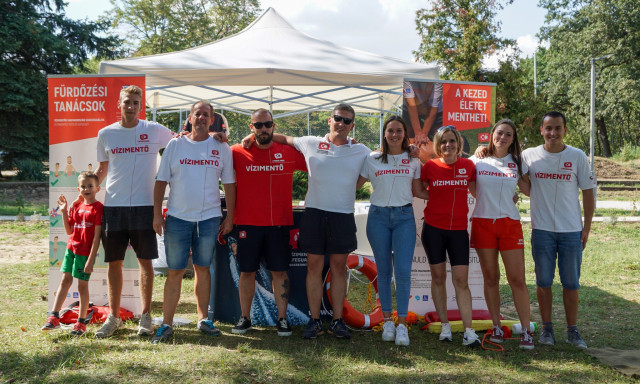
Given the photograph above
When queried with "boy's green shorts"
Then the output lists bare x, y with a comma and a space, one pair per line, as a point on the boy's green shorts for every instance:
74, 264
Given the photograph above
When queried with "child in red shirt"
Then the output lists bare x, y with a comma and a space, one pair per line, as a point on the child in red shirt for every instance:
83, 222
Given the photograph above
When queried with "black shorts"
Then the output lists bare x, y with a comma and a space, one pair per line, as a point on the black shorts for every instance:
124, 225
324, 232
258, 242
438, 242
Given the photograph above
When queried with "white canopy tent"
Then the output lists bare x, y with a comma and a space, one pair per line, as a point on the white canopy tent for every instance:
270, 63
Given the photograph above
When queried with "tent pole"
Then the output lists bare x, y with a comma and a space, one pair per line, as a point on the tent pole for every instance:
308, 125
380, 106
271, 99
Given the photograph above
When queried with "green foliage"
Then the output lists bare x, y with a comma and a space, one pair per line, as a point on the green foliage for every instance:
578, 31
458, 34
300, 185
36, 39
13, 209
20, 201
515, 98
160, 26
364, 193
628, 152
30, 170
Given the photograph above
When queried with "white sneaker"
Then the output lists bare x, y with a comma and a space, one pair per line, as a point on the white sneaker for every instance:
402, 335
445, 332
145, 328
470, 338
109, 327
388, 331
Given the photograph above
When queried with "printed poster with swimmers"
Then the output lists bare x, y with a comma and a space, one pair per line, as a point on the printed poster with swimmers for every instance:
79, 106
429, 105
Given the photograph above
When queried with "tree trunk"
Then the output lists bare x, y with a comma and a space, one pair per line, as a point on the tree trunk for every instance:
603, 138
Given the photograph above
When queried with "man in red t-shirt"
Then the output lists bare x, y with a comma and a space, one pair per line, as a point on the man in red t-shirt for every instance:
263, 215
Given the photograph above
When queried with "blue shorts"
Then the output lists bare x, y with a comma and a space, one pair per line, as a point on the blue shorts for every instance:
181, 236
566, 247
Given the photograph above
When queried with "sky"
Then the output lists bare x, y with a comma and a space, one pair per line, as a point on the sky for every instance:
384, 27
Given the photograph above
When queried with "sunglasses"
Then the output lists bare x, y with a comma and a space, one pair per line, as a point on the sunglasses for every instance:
447, 127
345, 120
266, 124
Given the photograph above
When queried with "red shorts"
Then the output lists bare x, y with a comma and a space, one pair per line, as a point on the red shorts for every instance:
503, 234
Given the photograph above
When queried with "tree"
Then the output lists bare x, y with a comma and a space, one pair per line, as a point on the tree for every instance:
458, 34
36, 39
577, 31
160, 26
515, 98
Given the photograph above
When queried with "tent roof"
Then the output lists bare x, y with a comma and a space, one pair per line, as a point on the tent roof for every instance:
271, 62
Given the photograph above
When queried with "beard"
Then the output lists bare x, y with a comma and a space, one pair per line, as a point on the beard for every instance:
264, 139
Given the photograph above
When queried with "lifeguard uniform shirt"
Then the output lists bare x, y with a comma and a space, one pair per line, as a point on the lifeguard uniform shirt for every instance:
333, 172
448, 184
555, 182
264, 184
192, 169
496, 181
132, 155
83, 218
392, 181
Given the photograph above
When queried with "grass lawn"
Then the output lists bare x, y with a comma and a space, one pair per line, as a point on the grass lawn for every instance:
609, 311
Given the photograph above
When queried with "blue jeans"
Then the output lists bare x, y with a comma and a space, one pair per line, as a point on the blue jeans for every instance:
566, 247
181, 236
392, 229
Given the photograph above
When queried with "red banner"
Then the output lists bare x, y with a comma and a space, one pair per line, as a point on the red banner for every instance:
466, 106
79, 106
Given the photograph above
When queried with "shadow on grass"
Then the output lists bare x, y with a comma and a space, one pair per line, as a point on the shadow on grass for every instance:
262, 356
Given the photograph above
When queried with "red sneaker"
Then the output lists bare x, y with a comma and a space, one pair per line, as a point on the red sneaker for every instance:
526, 340
497, 335
79, 329
52, 323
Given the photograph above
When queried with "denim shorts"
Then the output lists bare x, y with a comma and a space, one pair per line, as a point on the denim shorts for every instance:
566, 247
182, 236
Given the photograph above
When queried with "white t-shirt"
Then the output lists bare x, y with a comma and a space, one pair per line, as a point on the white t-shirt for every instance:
132, 155
496, 181
192, 169
392, 181
555, 182
333, 172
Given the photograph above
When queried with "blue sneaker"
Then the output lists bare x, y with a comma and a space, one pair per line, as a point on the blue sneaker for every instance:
313, 329
573, 337
206, 326
547, 337
339, 329
162, 334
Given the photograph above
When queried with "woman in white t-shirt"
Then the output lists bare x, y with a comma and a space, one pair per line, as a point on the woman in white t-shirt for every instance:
496, 225
391, 227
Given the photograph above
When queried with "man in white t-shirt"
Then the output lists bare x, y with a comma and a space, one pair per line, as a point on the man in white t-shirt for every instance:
192, 166
557, 172
127, 153
328, 225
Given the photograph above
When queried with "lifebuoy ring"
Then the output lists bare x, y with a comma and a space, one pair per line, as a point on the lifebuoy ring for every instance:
350, 315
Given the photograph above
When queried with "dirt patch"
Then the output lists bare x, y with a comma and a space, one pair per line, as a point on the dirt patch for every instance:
609, 169
18, 247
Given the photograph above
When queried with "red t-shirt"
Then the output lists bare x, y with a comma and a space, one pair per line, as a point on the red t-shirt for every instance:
447, 207
264, 184
83, 219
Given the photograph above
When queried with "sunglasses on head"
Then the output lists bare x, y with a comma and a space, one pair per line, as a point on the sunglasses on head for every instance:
447, 127
266, 124
345, 120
